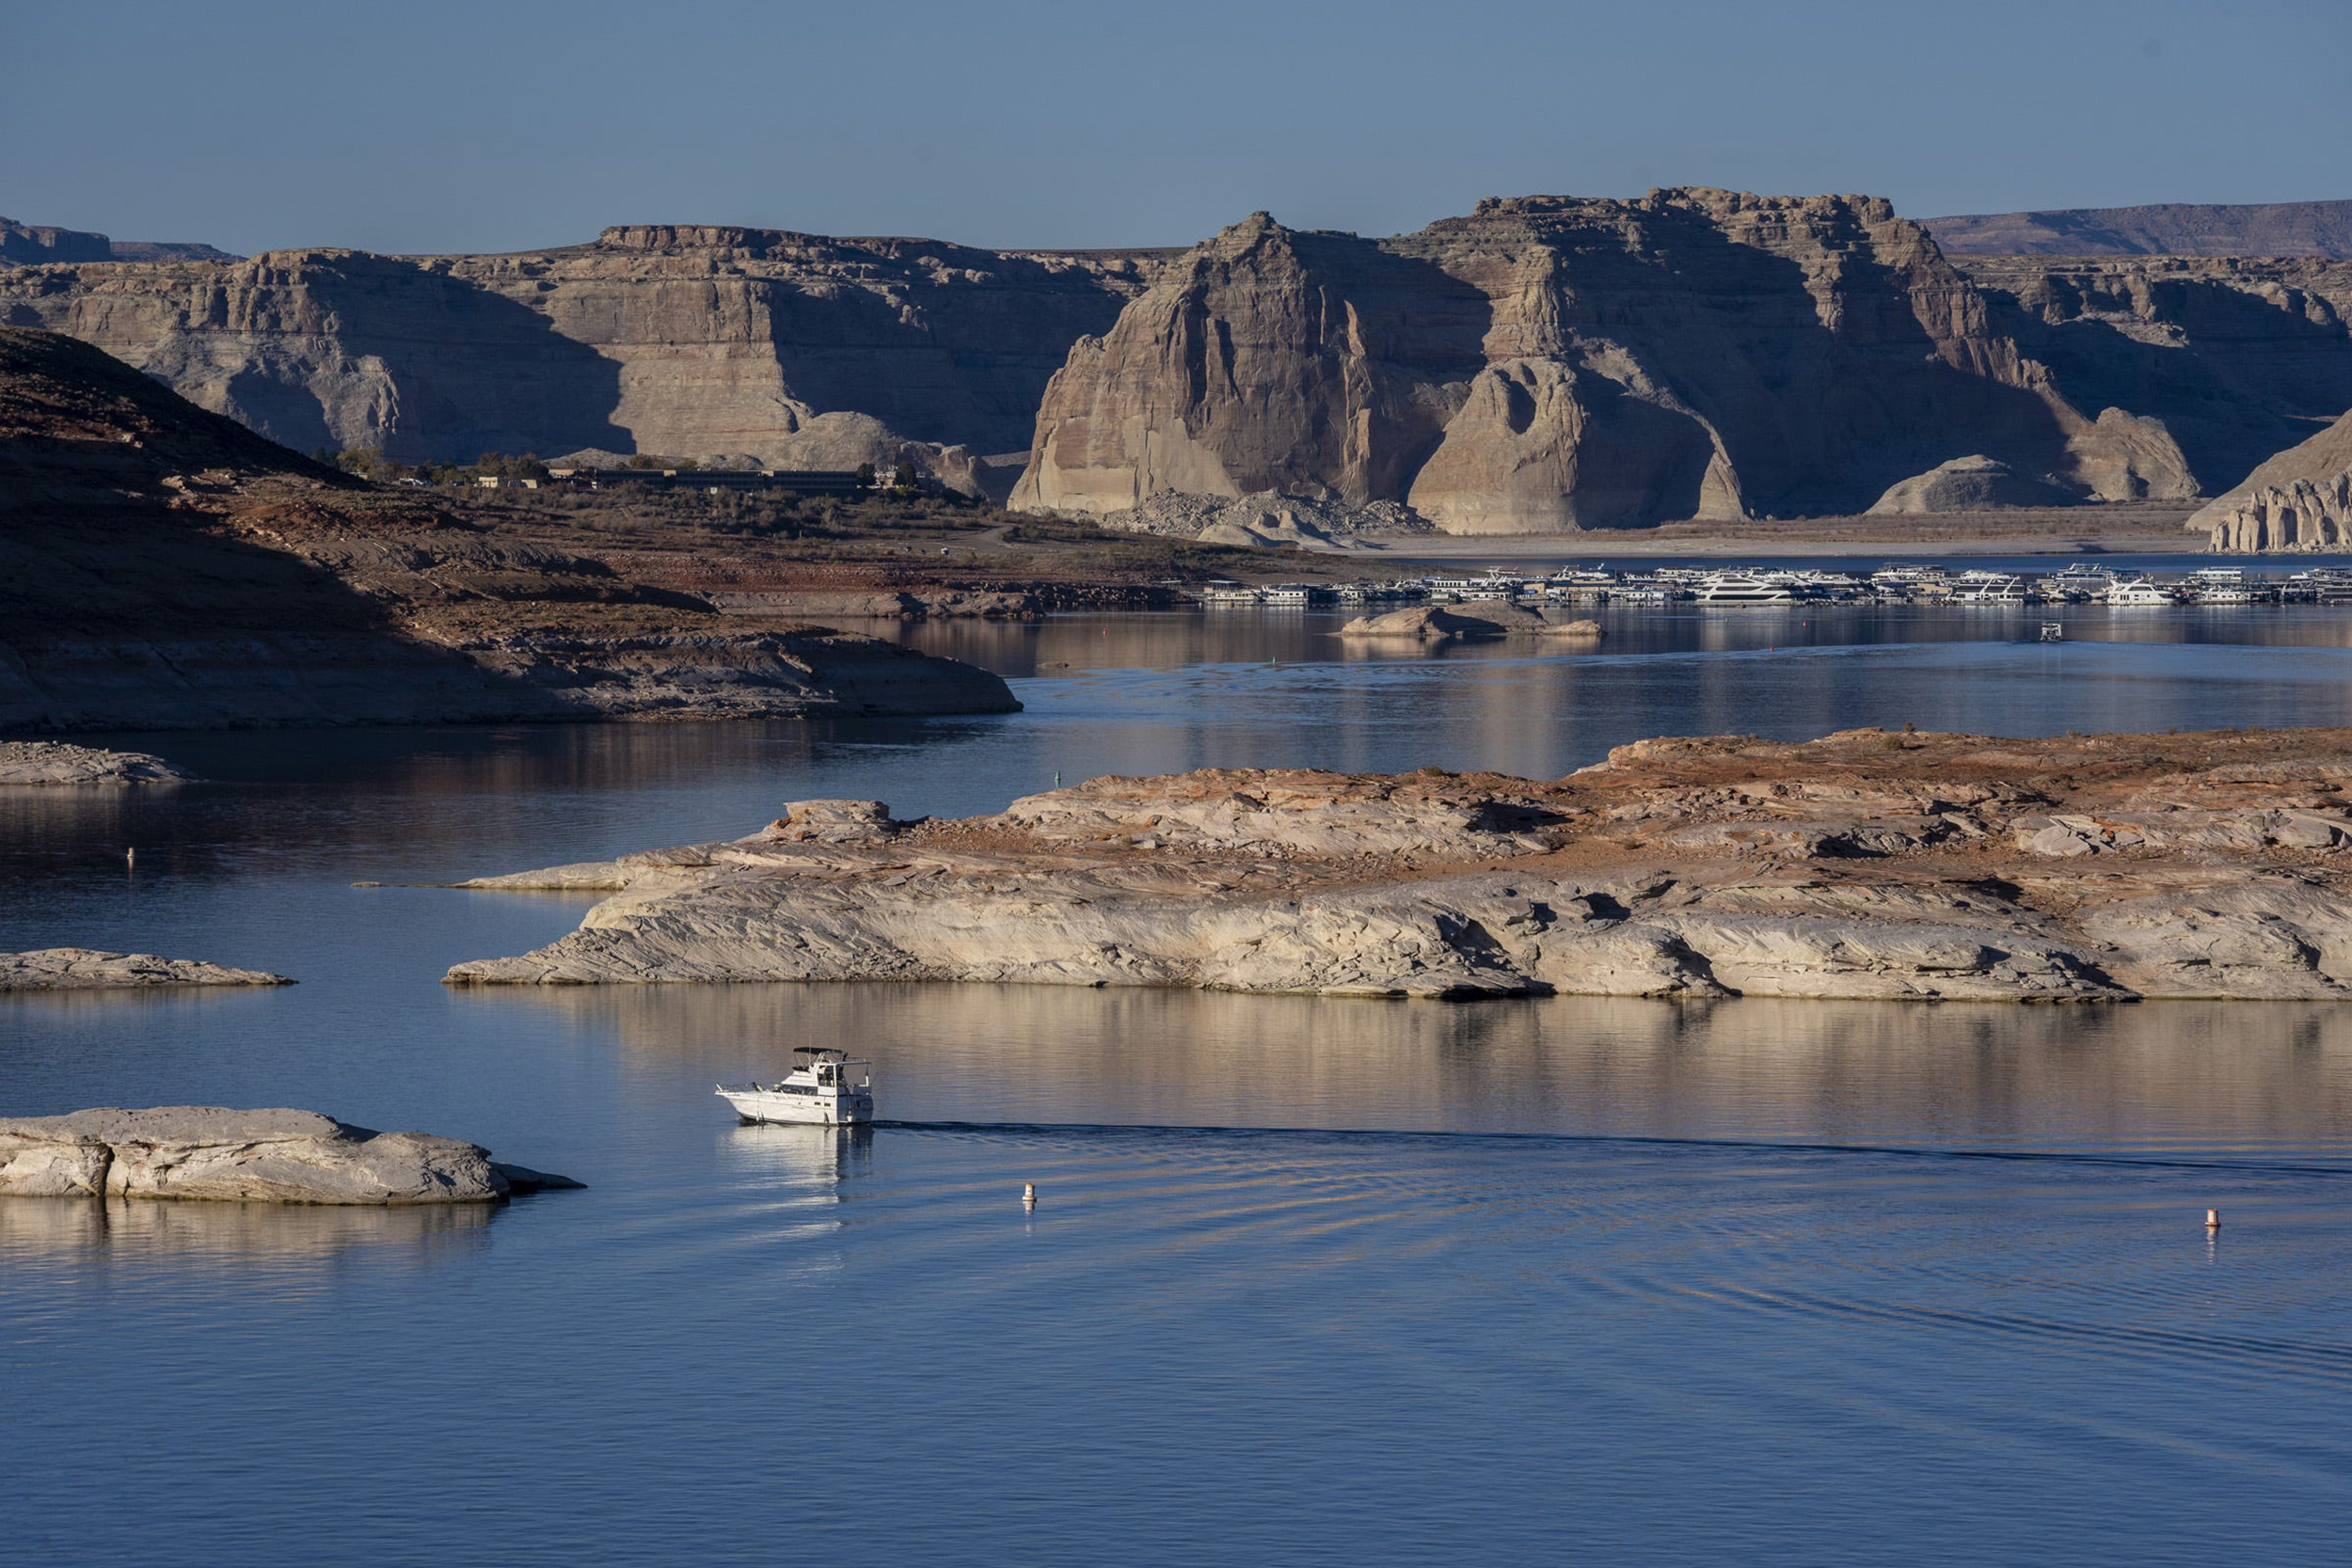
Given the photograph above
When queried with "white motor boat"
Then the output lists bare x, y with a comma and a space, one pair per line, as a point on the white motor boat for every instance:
817, 1093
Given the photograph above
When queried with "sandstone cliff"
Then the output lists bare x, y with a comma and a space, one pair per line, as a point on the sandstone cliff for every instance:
1552, 363
2300, 500
2167, 228
684, 340
163, 567
1864, 865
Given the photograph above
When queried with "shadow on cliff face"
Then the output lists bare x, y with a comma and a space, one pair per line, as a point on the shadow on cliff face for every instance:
134, 617
423, 366
2253, 377
959, 353
1813, 416
1422, 334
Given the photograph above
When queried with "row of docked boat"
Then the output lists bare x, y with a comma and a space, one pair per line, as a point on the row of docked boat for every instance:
2084, 584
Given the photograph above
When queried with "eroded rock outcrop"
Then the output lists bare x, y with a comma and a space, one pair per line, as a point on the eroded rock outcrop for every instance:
1551, 363
93, 969
1865, 864
271, 1156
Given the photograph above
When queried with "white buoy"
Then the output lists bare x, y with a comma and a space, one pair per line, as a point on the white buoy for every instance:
2212, 1219
1028, 1194
130, 856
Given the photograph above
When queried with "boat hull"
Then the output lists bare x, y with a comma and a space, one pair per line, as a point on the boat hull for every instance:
808, 1110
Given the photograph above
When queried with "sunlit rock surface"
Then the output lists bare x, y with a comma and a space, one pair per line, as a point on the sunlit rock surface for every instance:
1865, 864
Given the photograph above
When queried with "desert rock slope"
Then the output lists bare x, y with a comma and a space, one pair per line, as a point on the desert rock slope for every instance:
1863, 865
165, 567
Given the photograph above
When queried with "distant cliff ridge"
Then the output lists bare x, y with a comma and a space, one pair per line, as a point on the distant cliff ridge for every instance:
24, 244
29, 244
2322, 228
686, 341
1542, 363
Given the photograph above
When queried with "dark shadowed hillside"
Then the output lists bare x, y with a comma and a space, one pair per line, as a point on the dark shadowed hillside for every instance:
164, 567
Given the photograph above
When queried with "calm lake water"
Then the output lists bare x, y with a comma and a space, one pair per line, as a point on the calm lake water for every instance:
1311, 1280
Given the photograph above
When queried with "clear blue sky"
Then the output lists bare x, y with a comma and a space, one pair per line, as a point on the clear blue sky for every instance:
426, 125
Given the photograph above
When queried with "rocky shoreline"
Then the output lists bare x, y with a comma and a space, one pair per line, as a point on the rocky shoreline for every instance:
1866, 864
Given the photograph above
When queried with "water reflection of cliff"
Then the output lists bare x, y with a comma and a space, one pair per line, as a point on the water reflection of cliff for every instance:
232, 1235
2144, 1075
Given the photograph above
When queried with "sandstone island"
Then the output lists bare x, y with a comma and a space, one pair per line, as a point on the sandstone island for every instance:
218, 1154
1865, 864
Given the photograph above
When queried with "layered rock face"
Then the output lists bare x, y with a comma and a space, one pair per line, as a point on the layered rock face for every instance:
273, 1156
674, 340
2300, 500
1544, 363
2167, 228
1864, 865
1552, 363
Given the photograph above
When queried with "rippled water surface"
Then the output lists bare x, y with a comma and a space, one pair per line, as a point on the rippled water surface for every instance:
1311, 1280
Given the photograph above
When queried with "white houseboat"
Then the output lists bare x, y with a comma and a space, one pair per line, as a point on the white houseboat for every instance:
2135, 592
1993, 587
1746, 588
